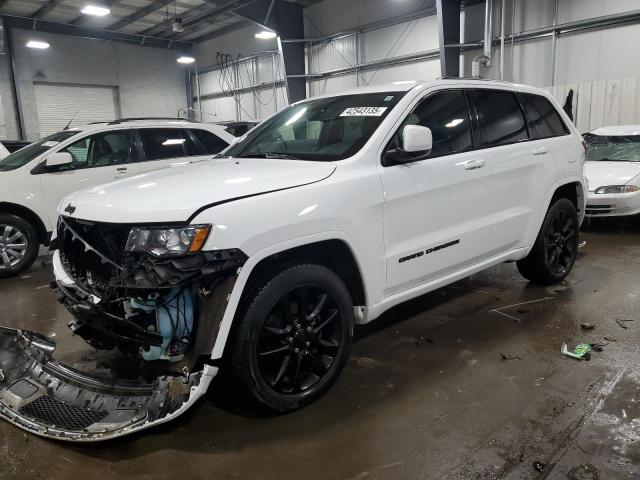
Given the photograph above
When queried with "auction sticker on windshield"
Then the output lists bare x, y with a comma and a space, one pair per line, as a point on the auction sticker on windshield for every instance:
363, 112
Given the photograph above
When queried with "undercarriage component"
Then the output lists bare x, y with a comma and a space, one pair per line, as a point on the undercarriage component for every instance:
174, 323
45, 397
131, 300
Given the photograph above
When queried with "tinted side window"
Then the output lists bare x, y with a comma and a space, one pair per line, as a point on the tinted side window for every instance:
500, 117
210, 141
445, 113
161, 143
99, 150
543, 116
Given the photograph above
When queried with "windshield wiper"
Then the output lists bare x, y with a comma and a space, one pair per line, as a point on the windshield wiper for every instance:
279, 156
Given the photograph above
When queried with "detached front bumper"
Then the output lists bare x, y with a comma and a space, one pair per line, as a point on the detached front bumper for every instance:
50, 399
612, 205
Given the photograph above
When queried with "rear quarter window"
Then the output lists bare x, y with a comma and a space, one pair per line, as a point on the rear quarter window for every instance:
544, 120
210, 141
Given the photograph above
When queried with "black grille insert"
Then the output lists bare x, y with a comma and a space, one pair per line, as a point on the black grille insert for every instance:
53, 412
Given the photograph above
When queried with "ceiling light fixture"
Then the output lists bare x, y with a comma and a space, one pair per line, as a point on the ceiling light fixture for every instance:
95, 10
266, 35
37, 44
186, 60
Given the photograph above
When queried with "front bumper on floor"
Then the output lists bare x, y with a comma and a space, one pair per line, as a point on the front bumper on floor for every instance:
612, 205
50, 399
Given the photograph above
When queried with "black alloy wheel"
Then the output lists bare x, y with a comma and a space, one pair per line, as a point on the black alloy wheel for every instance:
293, 336
556, 248
299, 340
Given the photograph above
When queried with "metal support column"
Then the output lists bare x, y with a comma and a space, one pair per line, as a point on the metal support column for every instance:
449, 30
8, 42
286, 19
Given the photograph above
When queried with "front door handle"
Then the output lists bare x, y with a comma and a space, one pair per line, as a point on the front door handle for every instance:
473, 164
121, 171
540, 151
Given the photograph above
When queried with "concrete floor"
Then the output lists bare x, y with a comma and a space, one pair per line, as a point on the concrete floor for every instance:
425, 395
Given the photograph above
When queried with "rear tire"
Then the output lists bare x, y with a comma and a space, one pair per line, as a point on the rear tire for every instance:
19, 245
556, 247
294, 337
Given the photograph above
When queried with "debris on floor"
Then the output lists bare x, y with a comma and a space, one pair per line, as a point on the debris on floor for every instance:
506, 356
623, 322
580, 352
539, 466
610, 339
598, 347
583, 472
588, 326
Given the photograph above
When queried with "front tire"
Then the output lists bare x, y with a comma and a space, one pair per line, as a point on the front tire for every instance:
556, 248
294, 337
19, 245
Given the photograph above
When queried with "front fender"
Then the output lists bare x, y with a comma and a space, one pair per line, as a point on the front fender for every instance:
250, 265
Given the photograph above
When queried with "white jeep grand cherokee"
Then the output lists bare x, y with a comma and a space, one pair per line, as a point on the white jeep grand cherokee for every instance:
35, 178
262, 260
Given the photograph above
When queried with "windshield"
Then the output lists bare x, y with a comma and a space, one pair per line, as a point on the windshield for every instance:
326, 129
615, 148
23, 156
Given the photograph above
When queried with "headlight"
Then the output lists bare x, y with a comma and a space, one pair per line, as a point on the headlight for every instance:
164, 242
618, 189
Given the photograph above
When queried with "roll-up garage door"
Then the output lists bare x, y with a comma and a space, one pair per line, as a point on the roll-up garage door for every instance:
57, 104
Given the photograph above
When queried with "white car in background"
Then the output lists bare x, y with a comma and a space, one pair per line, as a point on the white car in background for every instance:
613, 171
35, 178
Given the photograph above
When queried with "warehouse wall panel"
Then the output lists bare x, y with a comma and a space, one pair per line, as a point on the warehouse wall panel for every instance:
149, 81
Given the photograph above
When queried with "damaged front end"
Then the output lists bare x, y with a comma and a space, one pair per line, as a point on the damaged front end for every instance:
162, 311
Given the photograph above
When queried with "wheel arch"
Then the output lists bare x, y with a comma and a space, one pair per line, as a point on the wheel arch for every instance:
30, 216
333, 251
572, 191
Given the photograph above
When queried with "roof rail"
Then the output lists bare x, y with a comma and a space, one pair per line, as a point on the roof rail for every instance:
473, 78
124, 120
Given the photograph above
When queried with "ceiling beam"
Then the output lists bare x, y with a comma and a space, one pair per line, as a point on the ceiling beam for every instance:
46, 8
206, 17
138, 14
89, 32
221, 31
165, 25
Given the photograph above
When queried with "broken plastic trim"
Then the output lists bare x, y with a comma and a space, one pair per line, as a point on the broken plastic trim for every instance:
50, 399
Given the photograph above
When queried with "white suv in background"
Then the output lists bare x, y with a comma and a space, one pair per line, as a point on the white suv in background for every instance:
262, 261
35, 178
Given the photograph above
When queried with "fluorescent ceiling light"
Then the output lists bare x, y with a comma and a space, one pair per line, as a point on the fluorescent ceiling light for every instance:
266, 35
185, 59
37, 44
95, 10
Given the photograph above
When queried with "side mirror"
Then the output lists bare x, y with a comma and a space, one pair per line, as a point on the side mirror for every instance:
416, 138
57, 159
417, 142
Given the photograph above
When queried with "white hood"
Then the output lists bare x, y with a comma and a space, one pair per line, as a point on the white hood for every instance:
175, 194
601, 173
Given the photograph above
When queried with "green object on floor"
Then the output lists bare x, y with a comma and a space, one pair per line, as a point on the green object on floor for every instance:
578, 352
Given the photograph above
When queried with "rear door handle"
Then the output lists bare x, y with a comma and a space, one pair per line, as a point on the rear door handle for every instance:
121, 171
473, 164
540, 151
